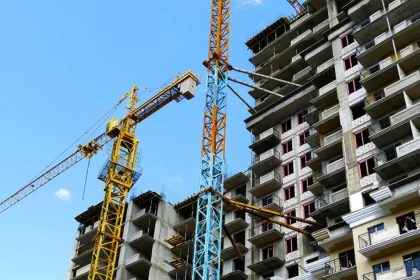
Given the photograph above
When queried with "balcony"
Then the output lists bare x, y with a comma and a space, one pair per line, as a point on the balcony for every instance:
315, 163
139, 265
266, 184
395, 127
327, 96
334, 238
266, 265
390, 240
230, 252
392, 96
400, 273
324, 74
318, 55
234, 275
365, 8
266, 162
141, 241
381, 47
186, 227
184, 250
377, 23
331, 205
341, 268
82, 273
88, 233
398, 160
386, 72
265, 140
265, 234
144, 217
183, 270
316, 188
83, 254
271, 202
236, 224
235, 180
332, 146
238, 198
329, 120
333, 173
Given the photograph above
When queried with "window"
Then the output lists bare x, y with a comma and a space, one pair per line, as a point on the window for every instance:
379, 95
308, 209
354, 85
288, 168
291, 244
241, 190
292, 214
286, 126
266, 226
267, 200
239, 237
375, 228
347, 40
347, 259
287, 147
412, 263
267, 252
289, 192
382, 267
305, 183
303, 136
292, 271
238, 264
304, 159
301, 116
358, 110
407, 222
362, 137
366, 167
350, 62
240, 215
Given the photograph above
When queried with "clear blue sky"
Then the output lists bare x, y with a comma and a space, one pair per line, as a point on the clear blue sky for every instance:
63, 65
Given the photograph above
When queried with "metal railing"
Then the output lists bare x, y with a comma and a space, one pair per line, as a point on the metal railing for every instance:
266, 134
385, 156
266, 155
412, 19
339, 264
261, 229
272, 199
273, 175
325, 200
370, 238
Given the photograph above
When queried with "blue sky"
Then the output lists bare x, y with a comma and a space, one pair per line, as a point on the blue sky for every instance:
63, 65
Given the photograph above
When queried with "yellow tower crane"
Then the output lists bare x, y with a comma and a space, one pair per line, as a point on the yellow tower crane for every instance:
119, 173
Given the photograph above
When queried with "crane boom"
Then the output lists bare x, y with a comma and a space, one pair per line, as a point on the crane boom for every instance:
165, 96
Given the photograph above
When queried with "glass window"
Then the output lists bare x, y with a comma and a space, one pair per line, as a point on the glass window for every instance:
358, 110
289, 192
267, 226
305, 158
286, 126
354, 85
292, 271
347, 40
362, 137
366, 167
306, 183
292, 214
291, 244
347, 259
412, 263
287, 147
382, 267
267, 252
308, 209
407, 222
288, 168
303, 136
350, 62
267, 200
301, 116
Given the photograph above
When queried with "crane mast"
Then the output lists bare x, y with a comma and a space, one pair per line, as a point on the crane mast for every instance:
208, 228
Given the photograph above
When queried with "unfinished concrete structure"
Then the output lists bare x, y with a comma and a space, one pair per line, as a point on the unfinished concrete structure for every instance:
342, 149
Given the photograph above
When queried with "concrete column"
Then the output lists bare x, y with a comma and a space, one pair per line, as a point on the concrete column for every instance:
414, 130
332, 12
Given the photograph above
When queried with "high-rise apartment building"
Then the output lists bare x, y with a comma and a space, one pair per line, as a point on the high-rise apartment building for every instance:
342, 149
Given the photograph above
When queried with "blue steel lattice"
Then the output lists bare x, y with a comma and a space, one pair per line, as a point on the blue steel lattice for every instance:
208, 231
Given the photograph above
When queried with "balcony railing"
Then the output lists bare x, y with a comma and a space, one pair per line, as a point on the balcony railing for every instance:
396, 273
272, 199
333, 166
263, 228
332, 137
266, 155
368, 239
331, 198
273, 175
340, 264
266, 134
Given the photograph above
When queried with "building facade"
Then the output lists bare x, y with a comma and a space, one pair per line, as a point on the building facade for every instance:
341, 149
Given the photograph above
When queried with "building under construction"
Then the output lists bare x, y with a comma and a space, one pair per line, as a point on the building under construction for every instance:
341, 149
